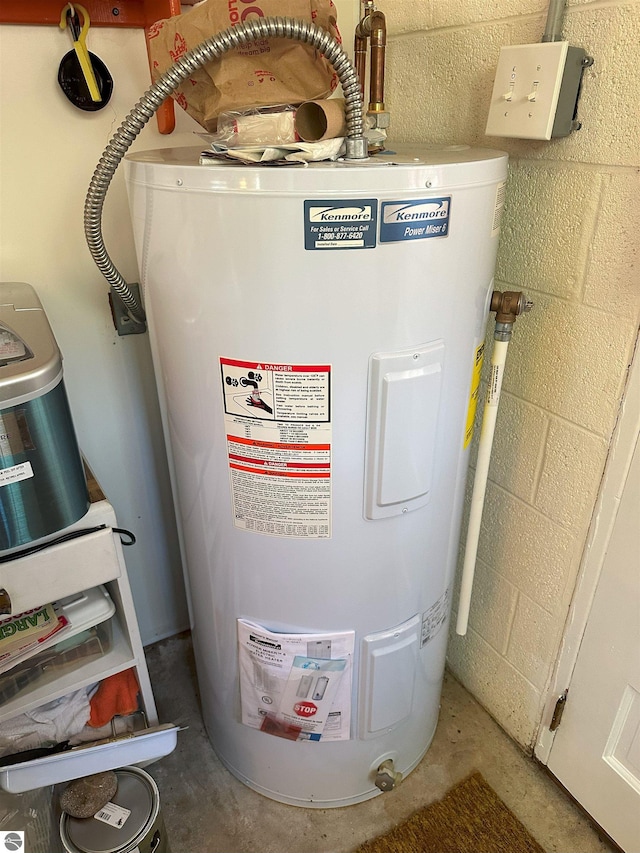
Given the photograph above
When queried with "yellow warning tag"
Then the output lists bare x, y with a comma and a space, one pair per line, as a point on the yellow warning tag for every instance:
473, 397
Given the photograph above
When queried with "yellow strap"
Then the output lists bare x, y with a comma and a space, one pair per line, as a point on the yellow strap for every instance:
80, 48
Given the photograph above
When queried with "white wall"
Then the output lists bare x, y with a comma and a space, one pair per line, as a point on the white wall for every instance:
48, 151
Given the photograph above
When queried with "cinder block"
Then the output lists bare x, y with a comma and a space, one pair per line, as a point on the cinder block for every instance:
436, 96
570, 241
492, 606
533, 642
570, 477
404, 16
512, 700
613, 264
439, 83
548, 220
571, 360
449, 13
518, 444
610, 91
611, 86
519, 439
532, 552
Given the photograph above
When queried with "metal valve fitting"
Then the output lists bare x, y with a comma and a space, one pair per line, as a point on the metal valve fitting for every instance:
387, 777
507, 307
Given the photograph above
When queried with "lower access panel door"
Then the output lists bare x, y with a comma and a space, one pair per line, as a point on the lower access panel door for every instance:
402, 417
388, 667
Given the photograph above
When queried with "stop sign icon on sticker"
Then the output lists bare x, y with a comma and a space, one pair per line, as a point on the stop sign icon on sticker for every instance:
305, 709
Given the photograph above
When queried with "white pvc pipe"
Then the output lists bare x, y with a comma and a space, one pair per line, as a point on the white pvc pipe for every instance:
498, 359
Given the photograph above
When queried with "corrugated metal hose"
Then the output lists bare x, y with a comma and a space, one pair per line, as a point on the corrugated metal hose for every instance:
208, 50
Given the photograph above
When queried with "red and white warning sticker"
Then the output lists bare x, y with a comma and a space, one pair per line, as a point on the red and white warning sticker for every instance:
278, 426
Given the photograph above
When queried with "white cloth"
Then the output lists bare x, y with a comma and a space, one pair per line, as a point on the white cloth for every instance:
46, 725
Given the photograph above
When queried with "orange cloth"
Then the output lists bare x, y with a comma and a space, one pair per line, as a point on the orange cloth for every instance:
117, 694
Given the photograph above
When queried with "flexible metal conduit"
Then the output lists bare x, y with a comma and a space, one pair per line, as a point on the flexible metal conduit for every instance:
208, 50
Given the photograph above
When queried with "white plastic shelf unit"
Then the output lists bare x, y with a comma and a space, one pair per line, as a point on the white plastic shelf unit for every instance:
59, 570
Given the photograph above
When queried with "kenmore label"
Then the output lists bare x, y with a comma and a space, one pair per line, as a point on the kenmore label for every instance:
340, 224
414, 220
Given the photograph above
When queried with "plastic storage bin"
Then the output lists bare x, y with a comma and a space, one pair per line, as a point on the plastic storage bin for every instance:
88, 635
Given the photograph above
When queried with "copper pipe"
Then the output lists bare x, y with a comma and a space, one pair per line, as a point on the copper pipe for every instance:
373, 27
360, 55
378, 29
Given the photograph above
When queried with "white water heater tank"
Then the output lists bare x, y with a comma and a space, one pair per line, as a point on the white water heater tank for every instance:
316, 334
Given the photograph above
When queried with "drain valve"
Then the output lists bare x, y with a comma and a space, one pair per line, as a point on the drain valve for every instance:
386, 777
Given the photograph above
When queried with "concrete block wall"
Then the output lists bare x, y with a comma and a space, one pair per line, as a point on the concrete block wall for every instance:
570, 240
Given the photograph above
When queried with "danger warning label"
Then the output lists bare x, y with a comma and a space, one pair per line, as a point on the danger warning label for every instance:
278, 425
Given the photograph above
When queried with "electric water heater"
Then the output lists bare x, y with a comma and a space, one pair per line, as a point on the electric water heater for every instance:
317, 334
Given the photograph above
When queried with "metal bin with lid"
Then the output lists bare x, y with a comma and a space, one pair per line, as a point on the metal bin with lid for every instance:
42, 482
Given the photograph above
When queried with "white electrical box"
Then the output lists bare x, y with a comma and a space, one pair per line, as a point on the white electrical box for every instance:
536, 90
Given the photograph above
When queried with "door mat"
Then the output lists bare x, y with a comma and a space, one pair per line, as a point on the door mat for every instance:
470, 819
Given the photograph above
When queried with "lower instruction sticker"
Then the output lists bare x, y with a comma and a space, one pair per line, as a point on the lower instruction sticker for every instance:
296, 686
501, 192
434, 618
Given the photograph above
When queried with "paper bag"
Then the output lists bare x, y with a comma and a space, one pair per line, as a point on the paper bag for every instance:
260, 73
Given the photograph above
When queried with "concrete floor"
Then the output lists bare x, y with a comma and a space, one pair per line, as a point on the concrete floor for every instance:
206, 810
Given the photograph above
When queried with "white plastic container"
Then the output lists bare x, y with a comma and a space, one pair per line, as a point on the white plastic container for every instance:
314, 333
87, 635
93, 757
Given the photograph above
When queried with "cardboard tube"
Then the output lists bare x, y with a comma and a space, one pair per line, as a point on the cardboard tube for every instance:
318, 120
